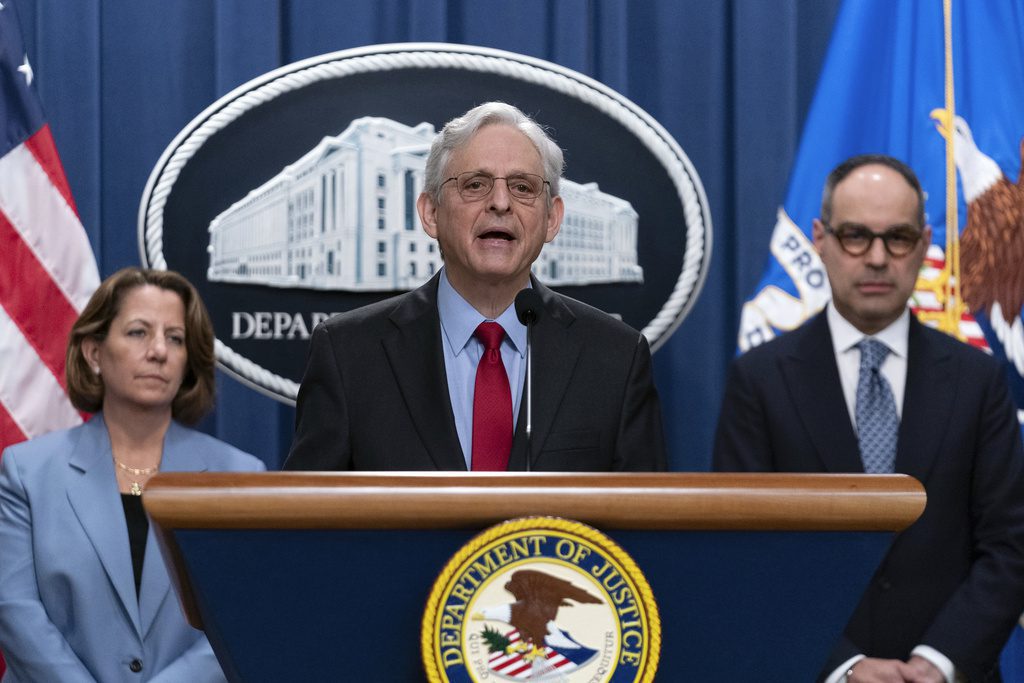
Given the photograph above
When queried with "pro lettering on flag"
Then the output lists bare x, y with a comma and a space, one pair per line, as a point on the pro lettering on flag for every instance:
47, 269
883, 89
938, 85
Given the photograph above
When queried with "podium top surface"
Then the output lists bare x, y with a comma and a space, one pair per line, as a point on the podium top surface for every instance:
415, 500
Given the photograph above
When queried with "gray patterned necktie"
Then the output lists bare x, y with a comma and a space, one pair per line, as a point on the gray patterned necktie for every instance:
877, 423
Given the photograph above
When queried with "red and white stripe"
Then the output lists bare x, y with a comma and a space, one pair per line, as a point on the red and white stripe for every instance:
47, 274
514, 666
925, 300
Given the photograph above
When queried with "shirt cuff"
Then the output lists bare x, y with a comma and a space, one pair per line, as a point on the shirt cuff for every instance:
941, 661
839, 674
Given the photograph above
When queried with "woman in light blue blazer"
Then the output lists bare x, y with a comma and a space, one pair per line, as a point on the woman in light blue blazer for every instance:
84, 593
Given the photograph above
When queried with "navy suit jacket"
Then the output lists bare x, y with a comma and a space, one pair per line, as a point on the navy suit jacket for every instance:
68, 606
953, 580
375, 395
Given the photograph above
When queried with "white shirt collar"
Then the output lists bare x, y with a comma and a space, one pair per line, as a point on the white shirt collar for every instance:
845, 336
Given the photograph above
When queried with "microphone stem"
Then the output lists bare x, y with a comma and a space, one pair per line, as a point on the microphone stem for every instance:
529, 392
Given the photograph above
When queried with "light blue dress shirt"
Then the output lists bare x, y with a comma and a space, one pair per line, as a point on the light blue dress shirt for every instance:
462, 352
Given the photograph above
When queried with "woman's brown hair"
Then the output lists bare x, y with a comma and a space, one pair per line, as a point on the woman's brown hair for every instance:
195, 396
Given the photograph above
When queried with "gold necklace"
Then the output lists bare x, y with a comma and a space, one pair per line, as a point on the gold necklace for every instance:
135, 489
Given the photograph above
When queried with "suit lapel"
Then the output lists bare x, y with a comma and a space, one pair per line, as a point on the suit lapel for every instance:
424, 384
928, 402
555, 353
156, 584
812, 378
95, 500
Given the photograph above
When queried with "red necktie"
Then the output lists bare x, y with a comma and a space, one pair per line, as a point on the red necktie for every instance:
492, 404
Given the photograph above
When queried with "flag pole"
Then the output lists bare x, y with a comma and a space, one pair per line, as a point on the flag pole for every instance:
954, 305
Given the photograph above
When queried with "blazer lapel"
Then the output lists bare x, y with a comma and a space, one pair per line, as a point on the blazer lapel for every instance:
928, 401
417, 361
555, 353
812, 378
94, 498
156, 583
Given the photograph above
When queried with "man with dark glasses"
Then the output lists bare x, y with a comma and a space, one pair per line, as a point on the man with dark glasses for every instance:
865, 387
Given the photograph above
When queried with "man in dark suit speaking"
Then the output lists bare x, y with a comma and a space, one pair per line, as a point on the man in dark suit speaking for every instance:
434, 379
865, 387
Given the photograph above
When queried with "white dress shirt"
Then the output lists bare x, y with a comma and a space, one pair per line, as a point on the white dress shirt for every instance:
845, 338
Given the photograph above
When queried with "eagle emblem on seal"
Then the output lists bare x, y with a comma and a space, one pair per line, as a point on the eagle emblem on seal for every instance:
536, 645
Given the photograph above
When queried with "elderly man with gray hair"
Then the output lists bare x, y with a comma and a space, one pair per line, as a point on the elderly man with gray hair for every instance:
434, 379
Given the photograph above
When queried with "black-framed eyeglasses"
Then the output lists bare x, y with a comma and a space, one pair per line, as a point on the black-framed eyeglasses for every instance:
475, 185
856, 240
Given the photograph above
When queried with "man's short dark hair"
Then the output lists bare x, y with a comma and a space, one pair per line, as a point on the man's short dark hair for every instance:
840, 172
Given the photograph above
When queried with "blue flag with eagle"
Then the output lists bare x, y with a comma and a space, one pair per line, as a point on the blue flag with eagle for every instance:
941, 86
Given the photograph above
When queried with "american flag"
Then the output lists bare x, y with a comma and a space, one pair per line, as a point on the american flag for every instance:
47, 268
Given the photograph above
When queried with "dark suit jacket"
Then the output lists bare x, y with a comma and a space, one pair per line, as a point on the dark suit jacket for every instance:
954, 580
375, 395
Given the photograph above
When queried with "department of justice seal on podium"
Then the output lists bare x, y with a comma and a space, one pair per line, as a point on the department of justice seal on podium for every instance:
541, 599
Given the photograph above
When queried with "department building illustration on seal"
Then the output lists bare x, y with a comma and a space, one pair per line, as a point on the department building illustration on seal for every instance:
343, 217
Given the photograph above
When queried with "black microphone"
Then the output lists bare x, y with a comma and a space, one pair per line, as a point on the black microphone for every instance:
528, 308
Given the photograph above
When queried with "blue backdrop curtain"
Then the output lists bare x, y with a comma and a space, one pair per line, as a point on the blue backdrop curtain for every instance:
730, 80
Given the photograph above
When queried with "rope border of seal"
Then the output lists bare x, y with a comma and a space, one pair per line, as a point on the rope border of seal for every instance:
338, 65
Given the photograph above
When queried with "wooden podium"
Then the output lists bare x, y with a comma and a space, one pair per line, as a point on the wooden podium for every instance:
324, 576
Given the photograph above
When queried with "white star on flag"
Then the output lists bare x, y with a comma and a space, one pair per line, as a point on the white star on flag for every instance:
26, 69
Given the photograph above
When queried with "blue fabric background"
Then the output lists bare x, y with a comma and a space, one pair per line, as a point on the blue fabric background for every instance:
731, 81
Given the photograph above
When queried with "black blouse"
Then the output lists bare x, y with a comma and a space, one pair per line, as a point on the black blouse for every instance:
138, 527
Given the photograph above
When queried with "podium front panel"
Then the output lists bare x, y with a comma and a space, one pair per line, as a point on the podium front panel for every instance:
326, 576
346, 604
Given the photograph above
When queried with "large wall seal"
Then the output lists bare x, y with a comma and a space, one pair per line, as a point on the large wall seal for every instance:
292, 197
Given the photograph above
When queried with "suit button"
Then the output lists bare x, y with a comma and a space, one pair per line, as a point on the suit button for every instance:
884, 584
135, 666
